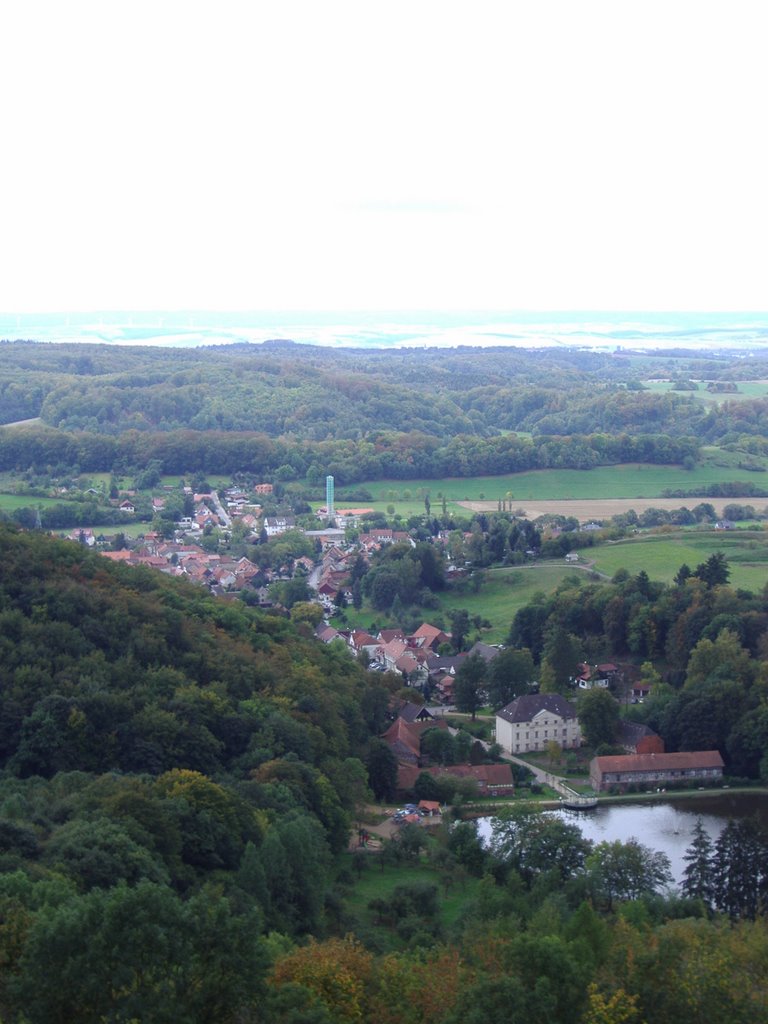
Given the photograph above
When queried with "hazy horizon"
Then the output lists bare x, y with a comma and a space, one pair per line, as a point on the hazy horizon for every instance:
593, 329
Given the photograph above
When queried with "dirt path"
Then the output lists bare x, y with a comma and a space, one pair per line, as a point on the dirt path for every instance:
586, 509
585, 566
24, 423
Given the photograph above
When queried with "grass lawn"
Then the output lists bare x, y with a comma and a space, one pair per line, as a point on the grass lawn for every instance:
9, 502
129, 529
504, 592
375, 883
661, 555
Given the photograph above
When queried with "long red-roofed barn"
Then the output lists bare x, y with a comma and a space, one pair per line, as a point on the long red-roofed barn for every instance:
623, 770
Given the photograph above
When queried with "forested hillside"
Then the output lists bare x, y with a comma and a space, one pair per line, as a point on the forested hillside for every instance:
154, 742
179, 779
315, 393
295, 412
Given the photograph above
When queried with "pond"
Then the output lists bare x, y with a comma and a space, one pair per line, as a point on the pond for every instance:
665, 825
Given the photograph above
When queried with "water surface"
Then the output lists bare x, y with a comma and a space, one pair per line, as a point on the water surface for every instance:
666, 825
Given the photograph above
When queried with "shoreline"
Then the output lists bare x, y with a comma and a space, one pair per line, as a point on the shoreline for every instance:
548, 804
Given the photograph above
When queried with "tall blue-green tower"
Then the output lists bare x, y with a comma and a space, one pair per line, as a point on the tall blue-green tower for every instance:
329, 496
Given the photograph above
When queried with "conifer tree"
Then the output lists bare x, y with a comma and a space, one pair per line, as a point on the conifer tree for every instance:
698, 876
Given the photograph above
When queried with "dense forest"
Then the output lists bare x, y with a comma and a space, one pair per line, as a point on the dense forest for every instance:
172, 766
180, 775
295, 412
382, 455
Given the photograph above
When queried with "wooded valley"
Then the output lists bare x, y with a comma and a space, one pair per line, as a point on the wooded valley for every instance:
186, 779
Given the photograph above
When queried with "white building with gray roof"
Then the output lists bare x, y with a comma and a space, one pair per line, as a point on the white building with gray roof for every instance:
532, 721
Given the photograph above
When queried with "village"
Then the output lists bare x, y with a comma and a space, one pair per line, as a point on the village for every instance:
425, 659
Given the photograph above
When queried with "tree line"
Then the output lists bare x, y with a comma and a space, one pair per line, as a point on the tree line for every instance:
383, 455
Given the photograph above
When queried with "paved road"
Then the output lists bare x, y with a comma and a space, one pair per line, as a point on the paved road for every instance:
220, 511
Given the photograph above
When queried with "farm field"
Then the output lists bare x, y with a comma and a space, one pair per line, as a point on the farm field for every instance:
662, 555
632, 480
587, 509
9, 502
747, 389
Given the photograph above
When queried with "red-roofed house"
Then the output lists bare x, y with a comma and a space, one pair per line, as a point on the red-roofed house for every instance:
429, 637
361, 641
492, 779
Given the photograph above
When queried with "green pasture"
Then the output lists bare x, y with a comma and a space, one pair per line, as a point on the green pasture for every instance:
109, 529
10, 502
505, 591
661, 555
502, 594
747, 389
632, 480
216, 481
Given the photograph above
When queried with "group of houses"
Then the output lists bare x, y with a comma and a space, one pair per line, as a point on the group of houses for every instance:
187, 559
404, 740
424, 658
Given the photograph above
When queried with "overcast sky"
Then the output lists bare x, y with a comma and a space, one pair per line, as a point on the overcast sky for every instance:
588, 154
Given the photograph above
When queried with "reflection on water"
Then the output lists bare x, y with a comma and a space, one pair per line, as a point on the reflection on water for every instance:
665, 826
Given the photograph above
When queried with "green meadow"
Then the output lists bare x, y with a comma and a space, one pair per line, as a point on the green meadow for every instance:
10, 502
505, 591
502, 594
631, 480
746, 389
377, 883
661, 555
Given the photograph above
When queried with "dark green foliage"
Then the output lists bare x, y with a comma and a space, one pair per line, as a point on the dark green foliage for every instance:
122, 695
714, 572
467, 848
502, 1001
510, 675
382, 770
469, 687
99, 854
459, 619
105, 668
140, 954
739, 867
625, 871
698, 877
599, 717
535, 843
